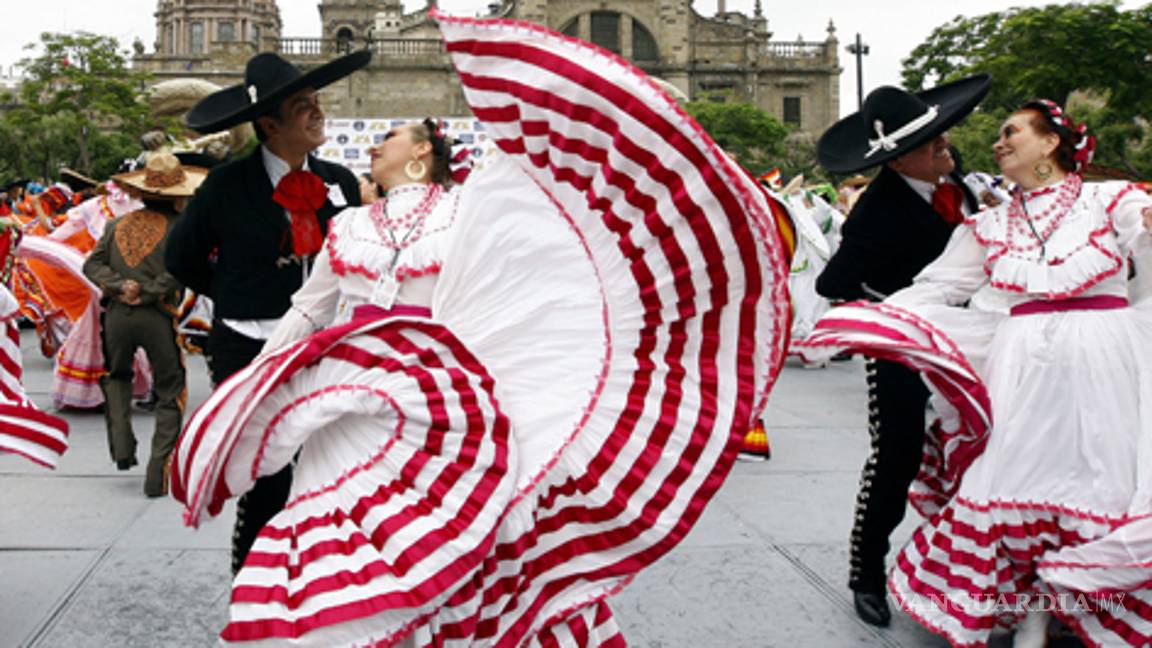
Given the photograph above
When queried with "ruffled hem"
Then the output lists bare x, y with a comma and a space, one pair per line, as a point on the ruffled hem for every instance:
24, 430
892, 333
390, 536
80, 365
1118, 562
970, 569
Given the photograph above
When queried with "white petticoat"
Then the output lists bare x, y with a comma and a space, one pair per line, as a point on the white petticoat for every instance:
1068, 461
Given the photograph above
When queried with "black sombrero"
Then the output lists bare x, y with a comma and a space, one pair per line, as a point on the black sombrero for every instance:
197, 159
77, 181
893, 122
13, 184
268, 80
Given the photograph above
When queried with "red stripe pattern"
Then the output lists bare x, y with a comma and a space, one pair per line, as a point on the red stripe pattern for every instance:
24, 430
891, 333
438, 535
972, 570
973, 567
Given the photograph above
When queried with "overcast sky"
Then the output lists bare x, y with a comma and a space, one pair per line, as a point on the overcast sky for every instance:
890, 28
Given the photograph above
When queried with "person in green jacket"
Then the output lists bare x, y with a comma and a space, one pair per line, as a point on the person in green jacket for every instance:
141, 299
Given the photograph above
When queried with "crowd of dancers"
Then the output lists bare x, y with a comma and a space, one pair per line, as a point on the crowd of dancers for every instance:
466, 409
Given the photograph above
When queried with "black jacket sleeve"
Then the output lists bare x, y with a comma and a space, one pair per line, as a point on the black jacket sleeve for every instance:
193, 240
845, 275
887, 239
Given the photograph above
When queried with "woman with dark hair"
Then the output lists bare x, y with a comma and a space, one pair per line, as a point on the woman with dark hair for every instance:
388, 252
1064, 459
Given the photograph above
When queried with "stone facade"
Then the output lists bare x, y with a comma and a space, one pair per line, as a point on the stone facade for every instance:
210, 39
726, 57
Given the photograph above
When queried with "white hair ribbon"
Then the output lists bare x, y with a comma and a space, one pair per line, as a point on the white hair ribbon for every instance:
889, 142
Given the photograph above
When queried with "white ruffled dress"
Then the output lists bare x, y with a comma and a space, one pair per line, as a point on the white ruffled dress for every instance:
817, 237
1067, 465
562, 369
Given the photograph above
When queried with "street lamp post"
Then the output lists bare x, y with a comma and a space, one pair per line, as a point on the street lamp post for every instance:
859, 49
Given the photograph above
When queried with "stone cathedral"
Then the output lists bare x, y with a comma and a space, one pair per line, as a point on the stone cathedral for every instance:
726, 57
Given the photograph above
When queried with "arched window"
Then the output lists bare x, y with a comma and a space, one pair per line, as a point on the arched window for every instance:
615, 32
344, 40
606, 30
643, 43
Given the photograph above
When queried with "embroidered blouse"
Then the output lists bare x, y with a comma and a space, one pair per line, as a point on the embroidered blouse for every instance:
1067, 240
387, 253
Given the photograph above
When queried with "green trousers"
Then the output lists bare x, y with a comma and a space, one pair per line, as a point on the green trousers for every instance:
127, 328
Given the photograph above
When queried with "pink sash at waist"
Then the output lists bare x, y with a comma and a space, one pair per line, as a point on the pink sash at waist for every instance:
398, 310
1095, 302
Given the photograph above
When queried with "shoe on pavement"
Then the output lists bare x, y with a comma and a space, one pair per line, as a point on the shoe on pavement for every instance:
872, 608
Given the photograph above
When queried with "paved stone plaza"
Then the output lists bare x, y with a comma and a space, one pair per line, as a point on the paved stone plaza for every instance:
87, 561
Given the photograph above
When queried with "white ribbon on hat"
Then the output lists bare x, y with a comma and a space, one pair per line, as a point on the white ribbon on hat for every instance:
890, 141
252, 93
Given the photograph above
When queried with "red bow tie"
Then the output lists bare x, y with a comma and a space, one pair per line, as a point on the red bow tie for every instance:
947, 201
302, 193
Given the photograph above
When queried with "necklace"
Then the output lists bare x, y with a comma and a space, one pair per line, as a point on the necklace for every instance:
412, 221
1023, 235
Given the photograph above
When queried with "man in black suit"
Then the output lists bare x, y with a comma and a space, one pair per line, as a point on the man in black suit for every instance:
247, 238
900, 224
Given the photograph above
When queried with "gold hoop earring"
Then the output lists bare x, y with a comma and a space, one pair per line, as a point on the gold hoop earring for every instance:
1042, 170
415, 170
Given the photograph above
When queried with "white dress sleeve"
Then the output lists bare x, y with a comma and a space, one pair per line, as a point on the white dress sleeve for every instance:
1126, 204
953, 277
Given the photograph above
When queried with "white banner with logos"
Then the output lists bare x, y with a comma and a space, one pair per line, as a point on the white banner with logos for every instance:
349, 139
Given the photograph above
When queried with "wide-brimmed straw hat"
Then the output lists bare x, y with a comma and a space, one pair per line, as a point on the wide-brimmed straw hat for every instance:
163, 177
893, 122
175, 97
268, 80
856, 181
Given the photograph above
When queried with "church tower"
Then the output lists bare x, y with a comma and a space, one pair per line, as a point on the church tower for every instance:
353, 21
196, 28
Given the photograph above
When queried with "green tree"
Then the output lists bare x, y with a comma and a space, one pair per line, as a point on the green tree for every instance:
1056, 52
755, 138
974, 138
78, 106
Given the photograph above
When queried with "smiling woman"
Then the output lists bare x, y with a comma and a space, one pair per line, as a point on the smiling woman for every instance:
1053, 476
